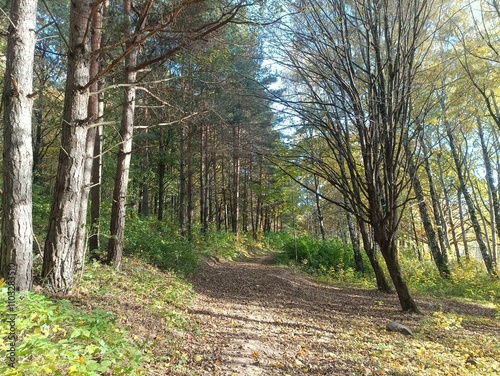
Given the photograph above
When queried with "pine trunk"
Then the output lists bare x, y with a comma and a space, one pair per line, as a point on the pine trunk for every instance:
59, 253
16, 256
119, 208
93, 118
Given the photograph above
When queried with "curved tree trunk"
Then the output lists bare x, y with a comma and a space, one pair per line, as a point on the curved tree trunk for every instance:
390, 253
382, 283
16, 257
492, 189
437, 253
488, 262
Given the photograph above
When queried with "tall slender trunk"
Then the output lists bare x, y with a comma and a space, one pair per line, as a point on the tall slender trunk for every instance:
236, 178
462, 223
415, 234
437, 253
118, 210
145, 166
204, 179
353, 233
492, 189
438, 218
448, 205
490, 267
190, 175
16, 257
96, 182
161, 175
319, 211
96, 176
93, 118
59, 252
183, 190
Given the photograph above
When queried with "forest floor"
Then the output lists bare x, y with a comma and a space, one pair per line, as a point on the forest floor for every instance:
254, 318
251, 317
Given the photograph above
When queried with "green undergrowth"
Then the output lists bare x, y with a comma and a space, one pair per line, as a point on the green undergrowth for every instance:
333, 262
159, 243
330, 260
140, 287
99, 329
55, 337
469, 280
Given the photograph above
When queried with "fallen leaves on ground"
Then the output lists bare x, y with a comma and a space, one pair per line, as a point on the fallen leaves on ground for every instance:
254, 318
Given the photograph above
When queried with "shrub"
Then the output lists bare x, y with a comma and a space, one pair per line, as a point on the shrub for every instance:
158, 243
319, 257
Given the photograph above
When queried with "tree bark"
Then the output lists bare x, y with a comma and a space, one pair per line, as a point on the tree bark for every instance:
16, 253
382, 283
488, 262
438, 218
161, 175
93, 118
437, 253
59, 254
119, 207
321, 224
358, 259
235, 215
492, 189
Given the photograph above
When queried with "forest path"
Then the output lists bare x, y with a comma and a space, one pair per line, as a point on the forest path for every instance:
254, 318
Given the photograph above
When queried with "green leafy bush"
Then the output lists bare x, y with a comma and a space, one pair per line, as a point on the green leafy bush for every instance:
222, 244
468, 280
319, 257
55, 338
158, 243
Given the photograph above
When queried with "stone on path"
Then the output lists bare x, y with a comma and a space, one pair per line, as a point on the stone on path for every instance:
397, 327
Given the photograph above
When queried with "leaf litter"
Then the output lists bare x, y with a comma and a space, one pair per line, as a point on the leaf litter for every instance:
253, 318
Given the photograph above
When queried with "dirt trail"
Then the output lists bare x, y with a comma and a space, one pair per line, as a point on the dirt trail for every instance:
253, 318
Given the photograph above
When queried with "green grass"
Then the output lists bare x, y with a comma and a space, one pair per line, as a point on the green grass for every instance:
332, 261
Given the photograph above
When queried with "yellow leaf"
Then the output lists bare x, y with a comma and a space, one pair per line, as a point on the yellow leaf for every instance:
81, 359
298, 363
2, 282
73, 369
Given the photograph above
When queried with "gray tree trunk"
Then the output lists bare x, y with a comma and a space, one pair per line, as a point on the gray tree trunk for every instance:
492, 189
488, 262
437, 252
59, 254
16, 255
96, 178
321, 223
93, 118
118, 210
